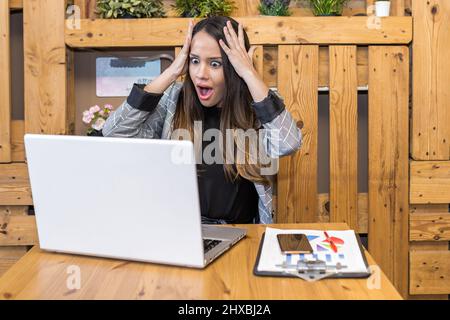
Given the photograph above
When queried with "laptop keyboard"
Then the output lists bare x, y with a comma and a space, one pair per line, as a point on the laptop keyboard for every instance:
208, 244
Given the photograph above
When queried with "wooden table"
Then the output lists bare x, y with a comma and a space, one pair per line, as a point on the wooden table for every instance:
43, 275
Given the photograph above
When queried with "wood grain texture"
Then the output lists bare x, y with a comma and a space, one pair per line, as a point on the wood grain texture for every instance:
430, 182
274, 30
431, 97
271, 69
17, 142
15, 4
45, 67
41, 275
363, 215
17, 228
9, 256
343, 136
15, 184
297, 177
5, 87
429, 226
430, 272
87, 8
388, 161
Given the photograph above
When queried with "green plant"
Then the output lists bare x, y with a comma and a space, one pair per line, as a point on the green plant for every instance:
327, 7
111, 9
274, 7
203, 8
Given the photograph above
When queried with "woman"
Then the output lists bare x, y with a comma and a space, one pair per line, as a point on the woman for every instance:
223, 93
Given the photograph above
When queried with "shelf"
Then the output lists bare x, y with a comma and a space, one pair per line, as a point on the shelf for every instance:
261, 31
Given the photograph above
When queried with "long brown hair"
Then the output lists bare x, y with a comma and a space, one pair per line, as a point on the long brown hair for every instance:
236, 112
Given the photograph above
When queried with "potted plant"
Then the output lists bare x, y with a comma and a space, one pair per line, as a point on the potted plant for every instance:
95, 117
382, 8
274, 7
113, 9
327, 7
203, 8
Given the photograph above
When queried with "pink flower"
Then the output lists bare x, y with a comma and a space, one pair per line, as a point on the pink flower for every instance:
108, 106
87, 117
94, 109
98, 125
102, 112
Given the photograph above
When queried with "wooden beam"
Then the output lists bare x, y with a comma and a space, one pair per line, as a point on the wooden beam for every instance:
388, 161
45, 67
363, 203
297, 177
430, 272
15, 184
429, 226
9, 256
17, 230
15, 4
430, 135
343, 136
17, 143
5, 86
274, 30
430, 182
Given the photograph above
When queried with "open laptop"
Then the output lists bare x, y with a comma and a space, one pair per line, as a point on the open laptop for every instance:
132, 199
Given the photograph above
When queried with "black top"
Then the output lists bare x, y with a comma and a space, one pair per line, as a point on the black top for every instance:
220, 198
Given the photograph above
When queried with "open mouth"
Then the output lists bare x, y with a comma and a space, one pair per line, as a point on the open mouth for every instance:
205, 93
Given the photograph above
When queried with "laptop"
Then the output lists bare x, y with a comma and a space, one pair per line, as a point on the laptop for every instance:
131, 199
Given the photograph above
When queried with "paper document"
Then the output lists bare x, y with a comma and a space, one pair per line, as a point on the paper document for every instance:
332, 247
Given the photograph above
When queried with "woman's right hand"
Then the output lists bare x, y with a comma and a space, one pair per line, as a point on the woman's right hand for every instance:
180, 65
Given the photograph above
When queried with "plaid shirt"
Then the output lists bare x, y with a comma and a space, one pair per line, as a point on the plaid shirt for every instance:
149, 116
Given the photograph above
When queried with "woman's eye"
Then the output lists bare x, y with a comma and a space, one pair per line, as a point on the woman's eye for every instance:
216, 64
194, 60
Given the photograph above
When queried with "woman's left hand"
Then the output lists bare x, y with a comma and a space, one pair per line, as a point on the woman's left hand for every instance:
241, 60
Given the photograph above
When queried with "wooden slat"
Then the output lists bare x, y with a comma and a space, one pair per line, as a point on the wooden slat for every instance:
343, 136
87, 8
14, 184
15, 4
271, 69
388, 161
246, 8
431, 70
430, 272
430, 182
5, 87
429, 226
9, 256
258, 60
17, 144
274, 30
70, 89
17, 228
297, 178
45, 67
324, 211
397, 8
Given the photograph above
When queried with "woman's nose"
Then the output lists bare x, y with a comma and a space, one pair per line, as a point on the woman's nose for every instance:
202, 71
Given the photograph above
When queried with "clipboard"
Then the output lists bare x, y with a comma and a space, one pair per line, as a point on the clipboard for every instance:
309, 274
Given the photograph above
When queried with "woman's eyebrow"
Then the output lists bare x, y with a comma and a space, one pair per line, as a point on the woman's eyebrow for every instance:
213, 58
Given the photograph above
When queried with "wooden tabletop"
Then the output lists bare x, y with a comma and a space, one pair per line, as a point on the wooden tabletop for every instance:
44, 275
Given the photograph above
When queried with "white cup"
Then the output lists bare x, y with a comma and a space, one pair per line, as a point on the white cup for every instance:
382, 8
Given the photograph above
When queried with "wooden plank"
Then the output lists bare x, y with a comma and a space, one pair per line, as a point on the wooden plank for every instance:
430, 272
430, 113
9, 256
428, 246
429, 226
397, 8
246, 8
17, 143
5, 87
297, 177
388, 161
343, 136
363, 203
430, 182
428, 208
45, 67
14, 210
17, 230
87, 8
271, 69
258, 60
14, 184
274, 30
15, 4
70, 89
